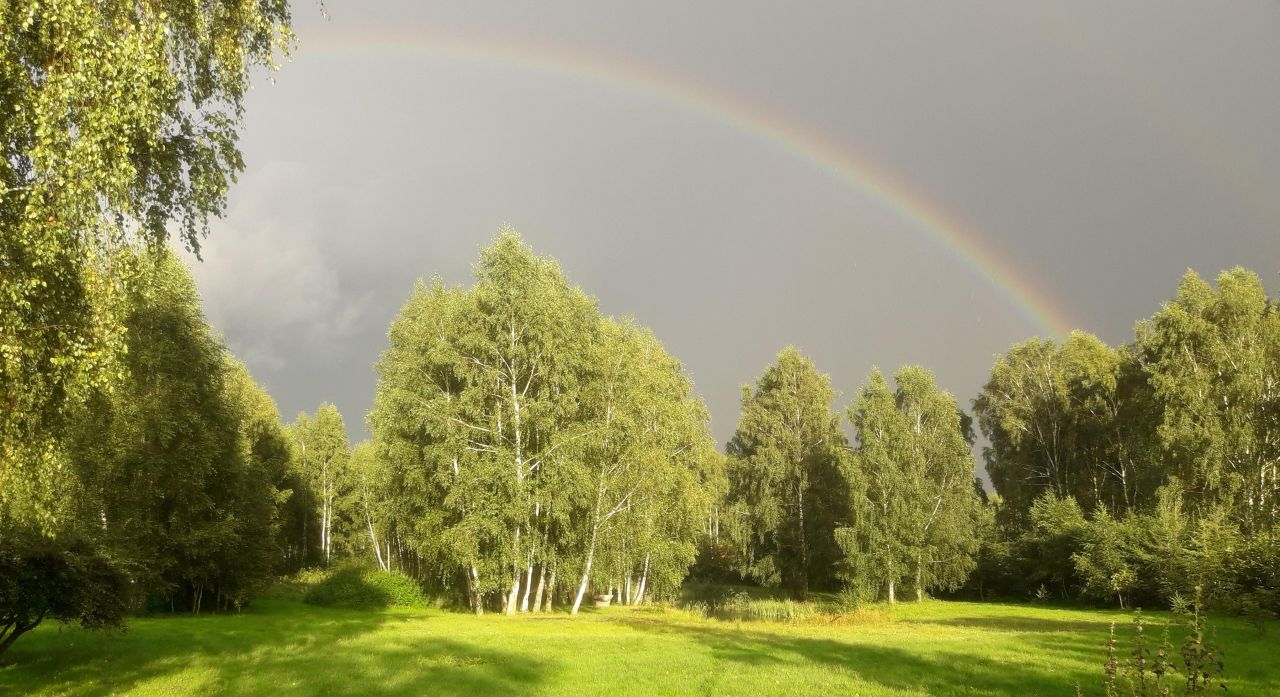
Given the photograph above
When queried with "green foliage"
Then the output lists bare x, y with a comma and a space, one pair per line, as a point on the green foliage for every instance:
911, 487
1105, 561
361, 587
1212, 359
179, 462
521, 438
1072, 420
320, 458
47, 579
1170, 442
785, 488
120, 120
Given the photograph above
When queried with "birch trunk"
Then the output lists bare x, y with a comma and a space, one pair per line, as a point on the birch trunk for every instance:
514, 596
551, 590
586, 573
644, 581
376, 551
528, 585
477, 600
537, 596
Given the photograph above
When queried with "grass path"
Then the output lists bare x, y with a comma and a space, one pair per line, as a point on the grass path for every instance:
283, 647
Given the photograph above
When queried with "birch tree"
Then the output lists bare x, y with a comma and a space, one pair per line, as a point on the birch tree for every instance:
530, 441
912, 486
639, 498
784, 475
181, 460
1212, 357
1073, 420
119, 125
322, 455
486, 382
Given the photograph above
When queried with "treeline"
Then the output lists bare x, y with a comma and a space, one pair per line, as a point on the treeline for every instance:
1136, 473
528, 451
1132, 474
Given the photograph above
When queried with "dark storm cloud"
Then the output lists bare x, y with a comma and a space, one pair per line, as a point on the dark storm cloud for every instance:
1101, 148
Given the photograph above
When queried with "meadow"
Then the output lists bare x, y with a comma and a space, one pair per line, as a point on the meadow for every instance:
282, 646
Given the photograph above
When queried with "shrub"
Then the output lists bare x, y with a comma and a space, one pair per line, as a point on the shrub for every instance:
45, 579
355, 587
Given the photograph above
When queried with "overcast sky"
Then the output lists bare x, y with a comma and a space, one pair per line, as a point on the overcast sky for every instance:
1099, 148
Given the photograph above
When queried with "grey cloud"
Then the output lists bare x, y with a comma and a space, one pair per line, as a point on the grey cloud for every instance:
1102, 149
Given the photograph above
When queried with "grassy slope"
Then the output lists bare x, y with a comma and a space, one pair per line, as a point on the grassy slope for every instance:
284, 647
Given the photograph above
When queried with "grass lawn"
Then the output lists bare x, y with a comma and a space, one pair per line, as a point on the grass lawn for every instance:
283, 647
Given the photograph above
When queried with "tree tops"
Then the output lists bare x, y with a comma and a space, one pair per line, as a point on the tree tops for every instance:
1194, 399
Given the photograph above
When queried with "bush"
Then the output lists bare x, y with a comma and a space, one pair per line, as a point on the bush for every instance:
45, 579
355, 587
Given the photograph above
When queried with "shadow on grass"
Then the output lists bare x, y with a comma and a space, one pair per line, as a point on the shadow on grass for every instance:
1015, 624
276, 650
934, 672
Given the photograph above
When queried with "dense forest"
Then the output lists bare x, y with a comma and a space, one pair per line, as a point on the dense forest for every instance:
527, 451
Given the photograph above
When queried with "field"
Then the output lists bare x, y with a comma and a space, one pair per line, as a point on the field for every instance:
283, 647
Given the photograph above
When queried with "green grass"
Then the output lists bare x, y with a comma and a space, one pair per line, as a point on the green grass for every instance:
284, 647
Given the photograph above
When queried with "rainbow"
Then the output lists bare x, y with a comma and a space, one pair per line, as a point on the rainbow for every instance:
1048, 318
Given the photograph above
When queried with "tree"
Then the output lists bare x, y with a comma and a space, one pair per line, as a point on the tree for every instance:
784, 475
638, 496
911, 488
1212, 358
179, 463
528, 439
255, 491
120, 118
370, 503
477, 394
1071, 419
148, 450
1105, 561
1049, 547
322, 455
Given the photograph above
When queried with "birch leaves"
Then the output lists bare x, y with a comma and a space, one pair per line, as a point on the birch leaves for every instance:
911, 484
534, 439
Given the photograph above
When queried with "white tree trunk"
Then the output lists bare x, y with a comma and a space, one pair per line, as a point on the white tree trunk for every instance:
477, 600
528, 586
582, 587
537, 596
551, 590
377, 552
644, 581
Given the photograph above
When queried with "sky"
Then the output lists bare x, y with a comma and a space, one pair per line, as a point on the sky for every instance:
879, 184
